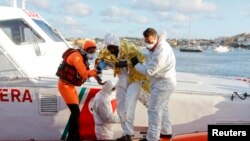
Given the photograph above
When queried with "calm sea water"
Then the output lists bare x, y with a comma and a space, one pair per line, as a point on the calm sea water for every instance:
234, 63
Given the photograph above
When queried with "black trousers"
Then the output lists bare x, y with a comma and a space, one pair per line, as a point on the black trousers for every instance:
74, 134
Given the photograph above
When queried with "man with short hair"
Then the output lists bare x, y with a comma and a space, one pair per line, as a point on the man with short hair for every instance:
160, 67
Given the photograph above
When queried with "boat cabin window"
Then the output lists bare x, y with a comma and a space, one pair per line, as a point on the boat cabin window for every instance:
48, 30
20, 32
7, 69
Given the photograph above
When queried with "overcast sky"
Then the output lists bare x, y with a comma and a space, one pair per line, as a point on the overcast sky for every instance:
93, 18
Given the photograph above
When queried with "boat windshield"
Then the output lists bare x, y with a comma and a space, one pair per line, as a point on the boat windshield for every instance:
48, 30
20, 32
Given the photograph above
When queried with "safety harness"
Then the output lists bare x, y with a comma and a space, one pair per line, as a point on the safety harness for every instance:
68, 72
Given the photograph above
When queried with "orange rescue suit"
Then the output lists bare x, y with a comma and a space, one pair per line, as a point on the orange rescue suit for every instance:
67, 90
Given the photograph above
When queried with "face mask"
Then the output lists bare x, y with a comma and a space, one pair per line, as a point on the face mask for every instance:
149, 46
90, 56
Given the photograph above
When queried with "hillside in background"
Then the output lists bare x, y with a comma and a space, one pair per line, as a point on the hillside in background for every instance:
241, 40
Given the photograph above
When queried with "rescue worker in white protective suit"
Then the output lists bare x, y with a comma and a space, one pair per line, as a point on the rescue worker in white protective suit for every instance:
160, 67
129, 84
103, 112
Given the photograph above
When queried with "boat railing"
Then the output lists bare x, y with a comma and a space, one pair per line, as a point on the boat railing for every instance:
200, 92
242, 96
243, 79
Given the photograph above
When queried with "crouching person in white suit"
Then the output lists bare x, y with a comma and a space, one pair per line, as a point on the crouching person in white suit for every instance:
103, 112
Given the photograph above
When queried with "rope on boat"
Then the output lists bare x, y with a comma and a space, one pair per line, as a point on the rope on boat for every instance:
243, 97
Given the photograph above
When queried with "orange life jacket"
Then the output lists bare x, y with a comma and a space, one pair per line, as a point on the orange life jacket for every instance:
68, 72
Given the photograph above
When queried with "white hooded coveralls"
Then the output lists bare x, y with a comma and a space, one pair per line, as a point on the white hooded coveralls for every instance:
160, 67
103, 113
127, 94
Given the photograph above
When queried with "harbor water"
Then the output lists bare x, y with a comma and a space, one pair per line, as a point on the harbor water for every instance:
235, 63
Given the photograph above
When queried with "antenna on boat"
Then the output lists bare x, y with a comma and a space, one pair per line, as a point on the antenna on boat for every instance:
14, 3
189, 30
23, 4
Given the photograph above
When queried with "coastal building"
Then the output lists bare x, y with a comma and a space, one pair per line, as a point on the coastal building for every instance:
244, 41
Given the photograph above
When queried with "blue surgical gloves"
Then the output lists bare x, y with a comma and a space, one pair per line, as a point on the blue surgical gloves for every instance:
102, 65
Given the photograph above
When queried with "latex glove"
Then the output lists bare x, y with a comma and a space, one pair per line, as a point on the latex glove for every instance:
99, 70
134, 61
99, 80
102, 65
92, 73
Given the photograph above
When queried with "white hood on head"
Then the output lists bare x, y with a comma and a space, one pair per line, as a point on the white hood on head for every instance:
162, 36
108, 86
111, 39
